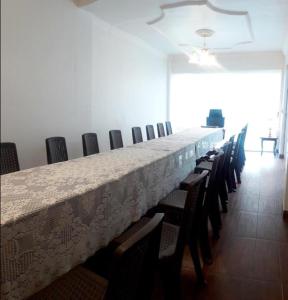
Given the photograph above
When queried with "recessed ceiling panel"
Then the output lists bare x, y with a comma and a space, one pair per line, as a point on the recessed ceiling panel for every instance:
179, 22
229, 18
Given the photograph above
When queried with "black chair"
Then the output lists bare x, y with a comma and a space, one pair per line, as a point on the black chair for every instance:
221, 176
150, 132
137, 135
115, 137
9, 158
212, 191
242, 156
168, 127
181, 227
90, 144
215, 118
236, 164
56, 149
160, 129
130, 274
229, 172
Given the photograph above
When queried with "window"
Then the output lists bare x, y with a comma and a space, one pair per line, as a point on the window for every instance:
252, 97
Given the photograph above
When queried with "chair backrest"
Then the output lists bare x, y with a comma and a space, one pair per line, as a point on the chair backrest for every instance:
224, 163
150, 132
137, 135
215, 118
244, 132
192, 212
160, 129
56, 149
216, 165
90, 144
134, 262
9, 158
115, 137
237, 147
168, 127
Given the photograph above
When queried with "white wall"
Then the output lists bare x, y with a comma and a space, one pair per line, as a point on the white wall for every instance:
119, 69
65, 73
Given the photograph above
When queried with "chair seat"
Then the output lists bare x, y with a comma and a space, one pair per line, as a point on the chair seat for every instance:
175, 199
78, 284
204, 165
169, 238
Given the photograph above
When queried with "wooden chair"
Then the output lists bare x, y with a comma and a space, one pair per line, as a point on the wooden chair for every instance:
168, 127
181, 226
137, 135
150, 132
160, 129
9, 158
115, 137
56, 150
130, 273
90, 144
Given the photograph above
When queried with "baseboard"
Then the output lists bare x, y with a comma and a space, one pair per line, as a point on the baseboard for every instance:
285, 215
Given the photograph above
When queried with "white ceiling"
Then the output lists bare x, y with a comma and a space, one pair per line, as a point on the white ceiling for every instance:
269, 22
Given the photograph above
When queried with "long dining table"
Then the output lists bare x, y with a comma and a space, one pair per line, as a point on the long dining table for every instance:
54, 217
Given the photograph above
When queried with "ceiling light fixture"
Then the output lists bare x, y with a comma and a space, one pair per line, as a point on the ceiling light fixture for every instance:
202, 56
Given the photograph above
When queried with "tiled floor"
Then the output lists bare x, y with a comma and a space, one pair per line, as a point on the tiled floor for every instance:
251, 257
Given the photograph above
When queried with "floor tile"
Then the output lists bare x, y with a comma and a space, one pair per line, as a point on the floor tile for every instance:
284, 261
222, 287
270, 205
248, 202
233, 256
266, 261
240, 224
272, 227
285, 291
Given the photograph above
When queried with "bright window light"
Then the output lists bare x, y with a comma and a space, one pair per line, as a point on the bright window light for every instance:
252, 97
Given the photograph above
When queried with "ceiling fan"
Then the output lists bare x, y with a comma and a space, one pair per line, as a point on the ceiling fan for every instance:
201, 55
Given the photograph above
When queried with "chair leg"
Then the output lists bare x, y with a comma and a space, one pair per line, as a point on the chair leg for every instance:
204, 238
228, 181
238, 175
214, 214
232, 178
171, 282
196, 261
223, 195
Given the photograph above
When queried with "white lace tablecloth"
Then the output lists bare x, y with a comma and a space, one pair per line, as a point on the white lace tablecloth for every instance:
54, 217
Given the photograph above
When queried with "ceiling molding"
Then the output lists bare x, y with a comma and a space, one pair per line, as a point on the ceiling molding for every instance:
197, 3
80, 3
212, 8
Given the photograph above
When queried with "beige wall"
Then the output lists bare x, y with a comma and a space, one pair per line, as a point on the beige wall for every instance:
285, 200
286, 190
65, 73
